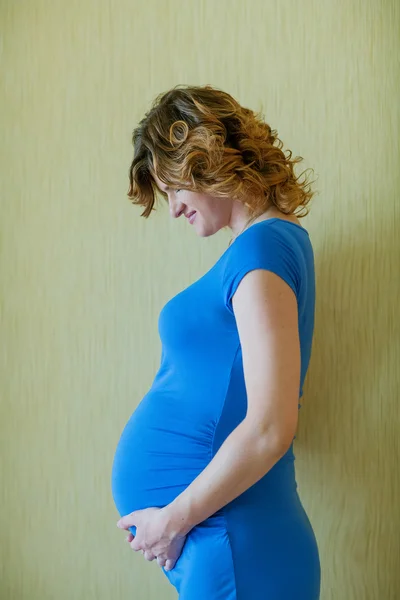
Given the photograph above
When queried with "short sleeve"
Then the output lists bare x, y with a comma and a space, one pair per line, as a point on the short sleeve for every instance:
260, 248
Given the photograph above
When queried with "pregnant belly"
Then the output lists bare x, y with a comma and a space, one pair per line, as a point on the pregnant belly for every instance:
162, 449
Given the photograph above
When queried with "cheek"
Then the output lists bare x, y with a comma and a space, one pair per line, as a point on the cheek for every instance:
208, 209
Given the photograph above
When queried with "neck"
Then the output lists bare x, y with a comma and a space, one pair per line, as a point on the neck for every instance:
241, 219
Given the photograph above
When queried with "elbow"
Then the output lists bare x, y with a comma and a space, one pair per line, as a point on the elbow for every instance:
283, 443
278, 442
271, 439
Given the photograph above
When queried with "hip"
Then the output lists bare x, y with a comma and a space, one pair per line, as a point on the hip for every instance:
242, 554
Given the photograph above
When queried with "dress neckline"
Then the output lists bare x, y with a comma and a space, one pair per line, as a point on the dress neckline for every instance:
227, 250
269, 220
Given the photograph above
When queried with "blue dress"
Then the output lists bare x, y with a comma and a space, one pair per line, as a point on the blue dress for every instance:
260, 546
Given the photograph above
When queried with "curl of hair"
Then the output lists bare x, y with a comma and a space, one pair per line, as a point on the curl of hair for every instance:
202, 139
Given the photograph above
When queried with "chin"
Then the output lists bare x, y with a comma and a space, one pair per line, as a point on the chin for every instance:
205, 230
205, 233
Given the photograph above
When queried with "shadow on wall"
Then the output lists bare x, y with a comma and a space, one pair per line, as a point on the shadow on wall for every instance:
349, 427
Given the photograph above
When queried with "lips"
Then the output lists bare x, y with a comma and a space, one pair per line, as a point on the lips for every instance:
191, 216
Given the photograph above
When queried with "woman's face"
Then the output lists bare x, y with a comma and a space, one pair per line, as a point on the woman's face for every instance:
205, 213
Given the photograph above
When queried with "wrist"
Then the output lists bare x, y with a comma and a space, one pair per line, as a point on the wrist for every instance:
178, 517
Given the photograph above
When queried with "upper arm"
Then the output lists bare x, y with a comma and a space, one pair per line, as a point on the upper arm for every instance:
266, 313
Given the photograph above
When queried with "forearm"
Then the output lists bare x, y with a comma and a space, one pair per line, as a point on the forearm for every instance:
243, 459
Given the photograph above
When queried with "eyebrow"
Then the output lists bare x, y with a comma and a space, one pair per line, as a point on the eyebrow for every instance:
165, 189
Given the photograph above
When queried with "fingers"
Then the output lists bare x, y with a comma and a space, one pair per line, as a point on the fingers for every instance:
148, 554
128, 520
135, 545
169, 565
161, 561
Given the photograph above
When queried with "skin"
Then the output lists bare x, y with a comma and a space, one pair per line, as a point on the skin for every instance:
271, 361
213, 213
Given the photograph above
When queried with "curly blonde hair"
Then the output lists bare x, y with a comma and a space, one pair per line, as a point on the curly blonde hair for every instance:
202, 139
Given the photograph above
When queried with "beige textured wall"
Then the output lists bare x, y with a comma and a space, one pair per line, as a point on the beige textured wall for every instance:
83, 278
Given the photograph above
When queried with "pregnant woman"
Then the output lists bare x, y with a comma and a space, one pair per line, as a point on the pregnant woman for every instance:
204, 475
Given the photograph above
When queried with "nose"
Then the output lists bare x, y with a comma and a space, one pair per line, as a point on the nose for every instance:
176, 208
